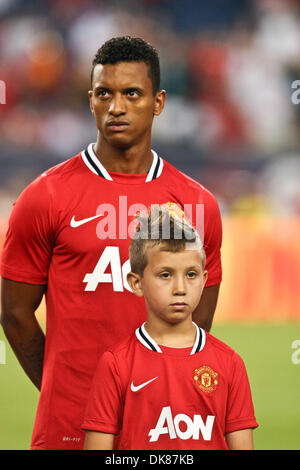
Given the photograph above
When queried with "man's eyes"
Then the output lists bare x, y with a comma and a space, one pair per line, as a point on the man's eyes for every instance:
102, 93
130, 92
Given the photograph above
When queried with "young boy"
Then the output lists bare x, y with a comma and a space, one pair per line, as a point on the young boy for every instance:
170, 385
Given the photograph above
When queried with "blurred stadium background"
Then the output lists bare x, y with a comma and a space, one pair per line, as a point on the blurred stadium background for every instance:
230, 123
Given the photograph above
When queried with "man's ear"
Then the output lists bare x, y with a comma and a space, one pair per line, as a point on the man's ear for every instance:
134, 281
160, 101
90, 93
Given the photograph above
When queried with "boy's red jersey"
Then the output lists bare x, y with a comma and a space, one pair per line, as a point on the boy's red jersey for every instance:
153, 397
70, 229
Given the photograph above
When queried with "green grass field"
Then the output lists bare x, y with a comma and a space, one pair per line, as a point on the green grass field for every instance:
267, 353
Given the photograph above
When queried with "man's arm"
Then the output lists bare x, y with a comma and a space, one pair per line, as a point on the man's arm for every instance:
204, 313
98, 441
240, 440
23, 332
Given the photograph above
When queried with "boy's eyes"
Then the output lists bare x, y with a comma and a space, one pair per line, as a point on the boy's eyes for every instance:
165, 275
189, 275
192, 274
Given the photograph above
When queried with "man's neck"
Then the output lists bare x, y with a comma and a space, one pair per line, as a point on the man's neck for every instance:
134, 160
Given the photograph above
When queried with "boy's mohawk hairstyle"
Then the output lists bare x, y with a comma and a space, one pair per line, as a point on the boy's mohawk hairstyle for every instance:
164, 225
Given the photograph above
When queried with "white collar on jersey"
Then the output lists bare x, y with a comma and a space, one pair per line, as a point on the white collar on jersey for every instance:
149, 342
92, 162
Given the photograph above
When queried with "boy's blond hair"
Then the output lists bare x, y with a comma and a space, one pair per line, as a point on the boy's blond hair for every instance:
165, 226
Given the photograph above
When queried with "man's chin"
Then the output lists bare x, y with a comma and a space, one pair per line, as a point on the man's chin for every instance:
120, 141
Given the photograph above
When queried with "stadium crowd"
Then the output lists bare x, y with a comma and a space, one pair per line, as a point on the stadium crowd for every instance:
228, 68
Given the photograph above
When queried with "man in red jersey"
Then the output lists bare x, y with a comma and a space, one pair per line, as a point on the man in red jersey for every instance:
69, 234
169, 385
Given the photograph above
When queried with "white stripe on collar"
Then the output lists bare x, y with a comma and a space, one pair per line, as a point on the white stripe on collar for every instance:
92, 162
149, 342
200, 339
146, 339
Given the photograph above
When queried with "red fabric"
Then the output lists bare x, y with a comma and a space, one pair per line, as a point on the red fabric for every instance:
89, 307
173, 394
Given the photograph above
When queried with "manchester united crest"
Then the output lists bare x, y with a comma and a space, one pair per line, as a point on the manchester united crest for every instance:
174, 209
206, 379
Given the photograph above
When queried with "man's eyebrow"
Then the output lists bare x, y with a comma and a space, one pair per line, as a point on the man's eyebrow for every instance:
101, 87
127, 88
133, 88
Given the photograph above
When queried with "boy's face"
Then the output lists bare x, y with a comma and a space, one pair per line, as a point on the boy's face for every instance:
172, 283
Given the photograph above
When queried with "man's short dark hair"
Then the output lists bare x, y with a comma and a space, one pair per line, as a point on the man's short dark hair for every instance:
129, 49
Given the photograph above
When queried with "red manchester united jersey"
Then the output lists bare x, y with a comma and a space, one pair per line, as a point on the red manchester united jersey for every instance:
153, 397
71, 229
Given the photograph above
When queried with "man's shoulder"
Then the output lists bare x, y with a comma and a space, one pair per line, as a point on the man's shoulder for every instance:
63, 169
218, 345
50, 186
186, 182
54, 178
123, 346
228, 355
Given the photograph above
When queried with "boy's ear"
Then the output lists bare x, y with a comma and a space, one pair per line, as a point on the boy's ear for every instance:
134, 281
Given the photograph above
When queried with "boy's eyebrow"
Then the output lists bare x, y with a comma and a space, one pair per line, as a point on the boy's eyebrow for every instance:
158, 267
194, 266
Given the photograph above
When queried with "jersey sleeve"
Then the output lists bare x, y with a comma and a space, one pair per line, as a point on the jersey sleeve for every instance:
212, 240
29, 239
240, 410
105, 403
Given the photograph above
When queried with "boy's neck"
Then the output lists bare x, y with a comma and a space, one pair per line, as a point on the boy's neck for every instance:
181, 335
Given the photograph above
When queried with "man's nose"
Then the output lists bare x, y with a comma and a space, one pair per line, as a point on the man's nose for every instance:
117, 105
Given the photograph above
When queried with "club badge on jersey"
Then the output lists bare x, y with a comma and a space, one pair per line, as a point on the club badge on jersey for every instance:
206, 379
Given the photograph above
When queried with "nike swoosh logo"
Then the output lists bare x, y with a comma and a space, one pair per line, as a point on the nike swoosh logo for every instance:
76, 223
138, 387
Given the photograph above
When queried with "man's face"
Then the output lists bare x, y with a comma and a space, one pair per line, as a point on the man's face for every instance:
123, 104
